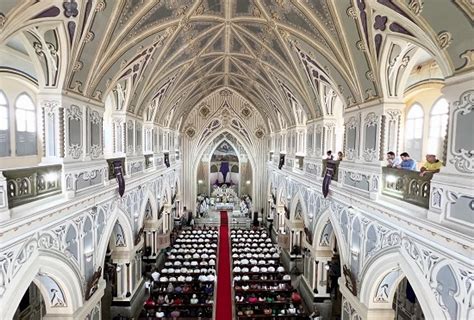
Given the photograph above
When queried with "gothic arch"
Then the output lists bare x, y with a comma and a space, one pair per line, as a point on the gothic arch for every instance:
50, 74
56, 267
393, 260
118, 215
282, 193
413, 51
298, 198
320, 230
148, 196
207, 141
343, 247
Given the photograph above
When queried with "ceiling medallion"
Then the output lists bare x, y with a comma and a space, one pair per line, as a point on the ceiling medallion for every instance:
259, 133
246, 112
204, 111
190, 132
199, 10
225, 92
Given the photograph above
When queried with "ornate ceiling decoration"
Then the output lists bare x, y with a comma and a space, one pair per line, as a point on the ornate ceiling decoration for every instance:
168, 55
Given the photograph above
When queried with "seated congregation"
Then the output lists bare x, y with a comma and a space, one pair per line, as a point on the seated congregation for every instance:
184, 287
262, 288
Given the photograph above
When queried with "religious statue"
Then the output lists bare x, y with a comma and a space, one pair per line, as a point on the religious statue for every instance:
93, 283
56, 299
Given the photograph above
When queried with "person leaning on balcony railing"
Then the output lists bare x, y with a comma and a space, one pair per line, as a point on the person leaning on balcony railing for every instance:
407, 163
432, 165
393, 160
329, 155
340, 156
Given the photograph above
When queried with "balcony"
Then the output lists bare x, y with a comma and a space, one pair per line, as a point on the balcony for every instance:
407, 186
331, 165
31, 184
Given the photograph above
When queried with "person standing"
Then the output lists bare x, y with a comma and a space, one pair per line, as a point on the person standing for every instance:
329, 155
407, 163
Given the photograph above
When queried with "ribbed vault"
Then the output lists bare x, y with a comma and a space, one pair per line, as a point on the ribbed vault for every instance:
281, 55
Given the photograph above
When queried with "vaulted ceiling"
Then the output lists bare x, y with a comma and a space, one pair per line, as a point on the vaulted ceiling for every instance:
279, 54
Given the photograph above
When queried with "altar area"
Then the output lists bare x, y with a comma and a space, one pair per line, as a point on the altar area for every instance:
224, 198
236, 219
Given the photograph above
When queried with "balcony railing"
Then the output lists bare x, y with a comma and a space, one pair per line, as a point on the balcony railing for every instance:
30, 184
333, 165
407, 186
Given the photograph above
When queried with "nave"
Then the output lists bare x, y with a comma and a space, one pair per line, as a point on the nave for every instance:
324, 146
255, 285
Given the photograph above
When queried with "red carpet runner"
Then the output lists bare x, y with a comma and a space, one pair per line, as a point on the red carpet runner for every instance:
223, 297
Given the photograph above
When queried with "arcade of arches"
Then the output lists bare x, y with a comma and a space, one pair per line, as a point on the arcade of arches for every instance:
236, 159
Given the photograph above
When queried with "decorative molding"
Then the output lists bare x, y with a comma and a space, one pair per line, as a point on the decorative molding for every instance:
444, 39
370, 155
463, 159
415, 6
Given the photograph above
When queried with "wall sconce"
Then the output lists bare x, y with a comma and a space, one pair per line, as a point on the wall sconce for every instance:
200, 181
247, 182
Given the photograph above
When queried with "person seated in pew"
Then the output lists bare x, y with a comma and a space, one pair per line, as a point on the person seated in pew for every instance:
159, 313
194, 299
291, 309
160, 299
175, 314
295, 297
252, 299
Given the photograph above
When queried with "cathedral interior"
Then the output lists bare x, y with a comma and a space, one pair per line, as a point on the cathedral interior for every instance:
237, 159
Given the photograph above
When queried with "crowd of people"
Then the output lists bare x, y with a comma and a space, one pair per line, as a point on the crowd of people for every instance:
404, 161
262, 288
184, 287
432, 164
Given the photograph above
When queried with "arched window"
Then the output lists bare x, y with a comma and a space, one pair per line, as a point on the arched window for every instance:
414, 132
25, 114
4, 132
438, 124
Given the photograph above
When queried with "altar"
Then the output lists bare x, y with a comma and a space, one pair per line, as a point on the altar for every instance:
224, 197
224, 206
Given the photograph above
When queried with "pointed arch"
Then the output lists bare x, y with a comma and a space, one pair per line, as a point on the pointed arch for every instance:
61, 271
282, 193
118, 215
148, 196
395, 259
202, 148
298, 198
398, 57
343, 247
